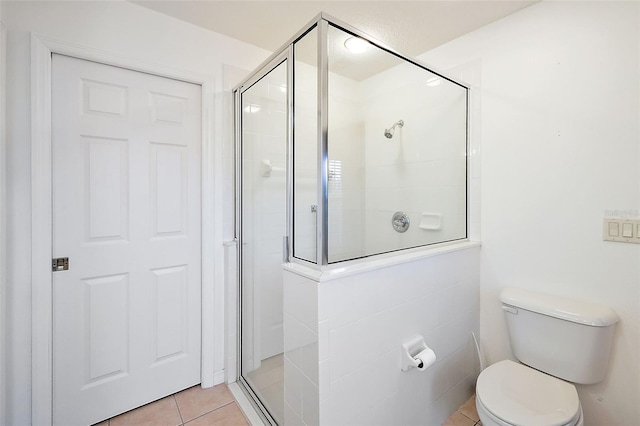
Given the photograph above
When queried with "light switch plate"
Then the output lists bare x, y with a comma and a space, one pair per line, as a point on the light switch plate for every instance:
621, 230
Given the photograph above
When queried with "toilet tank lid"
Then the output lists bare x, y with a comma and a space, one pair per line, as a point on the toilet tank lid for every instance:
559, 307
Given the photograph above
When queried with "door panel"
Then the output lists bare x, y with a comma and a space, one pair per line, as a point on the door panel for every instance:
126, 211
263, 224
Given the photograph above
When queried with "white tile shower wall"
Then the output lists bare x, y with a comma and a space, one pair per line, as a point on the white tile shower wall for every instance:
264, 198
301, 383
422, 168
346, 166
363, 321
305, 161
346, 191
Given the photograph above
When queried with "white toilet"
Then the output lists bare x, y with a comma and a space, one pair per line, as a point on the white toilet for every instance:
557, 340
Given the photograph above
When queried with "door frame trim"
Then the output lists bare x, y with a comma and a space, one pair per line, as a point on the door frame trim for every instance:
212, 293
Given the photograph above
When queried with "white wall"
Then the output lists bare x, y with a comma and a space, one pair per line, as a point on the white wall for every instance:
3, 229
559, 123
119, 27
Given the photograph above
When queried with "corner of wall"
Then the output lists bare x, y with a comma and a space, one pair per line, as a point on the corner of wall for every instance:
3, 238
301, 354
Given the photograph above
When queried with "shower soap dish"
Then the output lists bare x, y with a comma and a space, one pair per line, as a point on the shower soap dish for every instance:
430, 221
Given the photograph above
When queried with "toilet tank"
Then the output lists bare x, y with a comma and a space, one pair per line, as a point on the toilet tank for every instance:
566, 338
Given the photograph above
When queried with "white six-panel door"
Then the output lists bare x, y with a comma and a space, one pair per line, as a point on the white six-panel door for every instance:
126, 212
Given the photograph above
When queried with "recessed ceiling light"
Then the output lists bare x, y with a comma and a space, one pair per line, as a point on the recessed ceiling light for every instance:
356, 44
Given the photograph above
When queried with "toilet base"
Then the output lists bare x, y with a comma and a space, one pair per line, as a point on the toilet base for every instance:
489, 419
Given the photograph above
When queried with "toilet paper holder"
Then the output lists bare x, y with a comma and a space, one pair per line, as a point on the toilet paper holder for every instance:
416, 354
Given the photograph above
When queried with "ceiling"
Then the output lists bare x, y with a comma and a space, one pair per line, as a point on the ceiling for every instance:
410, 27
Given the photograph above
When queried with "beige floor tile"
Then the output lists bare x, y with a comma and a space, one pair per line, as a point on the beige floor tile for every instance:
458, 419
195, 401
229, 415
469, 409
163, 412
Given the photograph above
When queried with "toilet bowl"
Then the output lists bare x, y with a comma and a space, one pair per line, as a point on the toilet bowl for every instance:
512, 394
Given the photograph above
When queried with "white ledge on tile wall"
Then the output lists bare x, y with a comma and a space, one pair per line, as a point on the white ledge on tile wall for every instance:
372, 263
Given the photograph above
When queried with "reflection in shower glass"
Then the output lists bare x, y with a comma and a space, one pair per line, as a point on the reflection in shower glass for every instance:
397, 143
263, 188
305, 147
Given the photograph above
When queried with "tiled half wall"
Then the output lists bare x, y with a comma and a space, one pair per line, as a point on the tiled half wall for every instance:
343, 338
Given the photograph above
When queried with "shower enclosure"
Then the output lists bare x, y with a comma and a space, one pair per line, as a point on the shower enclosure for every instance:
345, 150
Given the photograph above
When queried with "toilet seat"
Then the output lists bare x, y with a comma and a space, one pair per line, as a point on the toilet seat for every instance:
519, 395
489, 419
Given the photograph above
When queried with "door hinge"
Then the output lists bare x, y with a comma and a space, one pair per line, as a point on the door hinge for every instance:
60, 264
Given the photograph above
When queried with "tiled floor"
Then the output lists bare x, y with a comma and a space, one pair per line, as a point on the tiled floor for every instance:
216, 406
465, 416
193, 407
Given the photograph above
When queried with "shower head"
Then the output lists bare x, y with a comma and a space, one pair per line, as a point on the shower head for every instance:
388, 133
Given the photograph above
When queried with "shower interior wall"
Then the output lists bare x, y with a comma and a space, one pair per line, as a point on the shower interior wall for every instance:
420, 170
264, 224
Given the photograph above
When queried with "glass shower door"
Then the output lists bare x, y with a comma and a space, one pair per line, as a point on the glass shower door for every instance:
263, 192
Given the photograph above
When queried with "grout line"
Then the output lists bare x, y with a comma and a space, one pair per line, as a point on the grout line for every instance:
178, 407
182, 422
470, 418
211, 411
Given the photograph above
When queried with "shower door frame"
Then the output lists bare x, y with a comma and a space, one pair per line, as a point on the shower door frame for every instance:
267, 67
322, 22
286, 53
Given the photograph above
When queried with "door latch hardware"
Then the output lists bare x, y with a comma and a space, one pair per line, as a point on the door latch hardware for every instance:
60, 264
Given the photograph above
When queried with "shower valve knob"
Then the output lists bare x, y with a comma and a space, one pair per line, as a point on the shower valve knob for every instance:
400, 222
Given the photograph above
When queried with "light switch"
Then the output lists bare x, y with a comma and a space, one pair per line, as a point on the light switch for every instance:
621, 230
